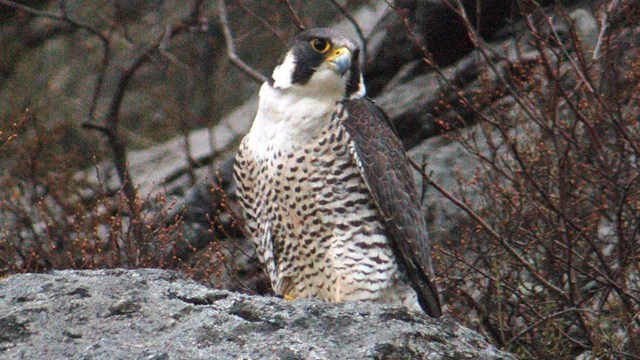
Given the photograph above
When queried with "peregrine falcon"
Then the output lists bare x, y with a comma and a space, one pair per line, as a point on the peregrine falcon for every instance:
326, 188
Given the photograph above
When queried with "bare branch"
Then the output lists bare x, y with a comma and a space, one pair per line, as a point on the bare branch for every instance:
355, 24
92, 126
106, 58
604, 25
296, 20
461, 205
262, 22
546, 318
53, 16
479, 44
231, 49
196, 9
64, 17
110, 129
427, 58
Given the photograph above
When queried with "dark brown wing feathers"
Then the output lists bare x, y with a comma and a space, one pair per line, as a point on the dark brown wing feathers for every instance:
388, 175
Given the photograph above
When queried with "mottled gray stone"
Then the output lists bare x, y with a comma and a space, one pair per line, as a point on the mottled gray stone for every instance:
156, 314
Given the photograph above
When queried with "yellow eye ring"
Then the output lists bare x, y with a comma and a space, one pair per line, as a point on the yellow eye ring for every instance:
320, 45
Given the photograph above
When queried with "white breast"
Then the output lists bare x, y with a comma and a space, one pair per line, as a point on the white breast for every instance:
289, 118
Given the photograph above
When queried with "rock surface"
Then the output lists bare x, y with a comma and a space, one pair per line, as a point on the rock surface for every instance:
155, 314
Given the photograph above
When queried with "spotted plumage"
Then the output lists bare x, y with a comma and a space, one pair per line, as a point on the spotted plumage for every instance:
325, 186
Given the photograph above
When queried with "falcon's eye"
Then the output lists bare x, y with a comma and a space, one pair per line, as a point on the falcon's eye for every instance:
320, 45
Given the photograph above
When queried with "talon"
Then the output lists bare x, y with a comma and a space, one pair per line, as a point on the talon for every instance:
288, 297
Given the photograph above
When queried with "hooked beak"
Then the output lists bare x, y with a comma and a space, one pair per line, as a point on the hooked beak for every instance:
340, 59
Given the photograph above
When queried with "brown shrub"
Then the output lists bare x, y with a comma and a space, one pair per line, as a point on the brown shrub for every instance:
552, 271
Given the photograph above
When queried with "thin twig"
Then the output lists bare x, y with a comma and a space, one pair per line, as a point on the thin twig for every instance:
461, 205
427, 58
545, 318
296, 20
604, 25
102, 72
485, 274
64, 17
92, 126
231, 48
110, 129
53, 16
479, 44
355, 24
196, 9
262, 22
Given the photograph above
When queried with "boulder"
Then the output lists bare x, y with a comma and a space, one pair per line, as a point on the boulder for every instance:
156, 314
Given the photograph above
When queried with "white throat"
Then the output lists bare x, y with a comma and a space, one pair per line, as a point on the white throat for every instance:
291, 116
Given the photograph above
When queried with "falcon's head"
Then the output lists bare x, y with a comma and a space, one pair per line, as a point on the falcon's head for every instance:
320, 62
